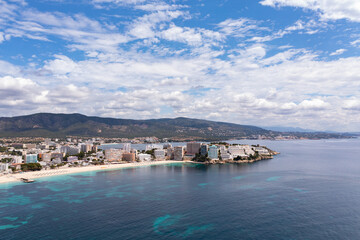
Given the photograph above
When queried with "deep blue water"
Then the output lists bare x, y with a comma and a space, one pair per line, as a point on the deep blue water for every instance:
310, 191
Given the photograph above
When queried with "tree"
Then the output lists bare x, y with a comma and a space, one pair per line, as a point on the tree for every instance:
3, 149
151, 152
201, 158
6, 160
31, 167
81, 155
237, 158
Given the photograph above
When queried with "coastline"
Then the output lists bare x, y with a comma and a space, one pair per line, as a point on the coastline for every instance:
62, 171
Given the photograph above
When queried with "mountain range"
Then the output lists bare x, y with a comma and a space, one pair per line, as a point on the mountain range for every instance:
62, 125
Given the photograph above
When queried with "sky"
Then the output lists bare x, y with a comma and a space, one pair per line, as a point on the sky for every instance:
256, 62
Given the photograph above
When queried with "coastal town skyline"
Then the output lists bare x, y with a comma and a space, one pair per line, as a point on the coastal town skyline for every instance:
261, 63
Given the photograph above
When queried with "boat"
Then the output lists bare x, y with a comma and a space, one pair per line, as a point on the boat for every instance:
26, 180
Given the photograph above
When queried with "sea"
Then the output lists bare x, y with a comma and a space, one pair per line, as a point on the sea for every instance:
310, 191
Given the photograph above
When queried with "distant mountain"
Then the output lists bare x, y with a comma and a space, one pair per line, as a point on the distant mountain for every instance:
288, 129
61, 125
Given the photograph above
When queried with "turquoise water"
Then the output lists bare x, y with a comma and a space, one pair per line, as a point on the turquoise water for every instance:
310, 191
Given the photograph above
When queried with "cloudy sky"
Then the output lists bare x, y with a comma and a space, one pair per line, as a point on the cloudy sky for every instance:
259, 62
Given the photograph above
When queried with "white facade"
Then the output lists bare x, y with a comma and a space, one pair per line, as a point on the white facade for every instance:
46, 157
159, 154
143, 157
248, 150
86, 148
100, 154
236, 151
17, 159
127, 147
70, 150
226, 156
4, 167
56, 160
261, 150
153, 146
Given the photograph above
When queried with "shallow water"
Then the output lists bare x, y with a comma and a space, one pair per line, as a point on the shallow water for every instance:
310, 191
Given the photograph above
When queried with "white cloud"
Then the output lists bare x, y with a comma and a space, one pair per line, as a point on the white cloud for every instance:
328, 9
146, 26
210, 75
239, 27
300, 27
314, 104
338, 52
190, 36
356, 43
159, 7
352, 104
61, 65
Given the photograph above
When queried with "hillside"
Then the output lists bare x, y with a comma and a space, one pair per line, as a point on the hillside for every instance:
61, 125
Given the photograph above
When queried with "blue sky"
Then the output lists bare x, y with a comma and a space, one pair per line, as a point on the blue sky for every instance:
259, 62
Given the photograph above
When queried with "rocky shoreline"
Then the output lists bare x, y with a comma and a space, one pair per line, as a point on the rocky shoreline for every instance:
260, 157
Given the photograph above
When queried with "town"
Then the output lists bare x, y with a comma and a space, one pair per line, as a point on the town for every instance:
75, 152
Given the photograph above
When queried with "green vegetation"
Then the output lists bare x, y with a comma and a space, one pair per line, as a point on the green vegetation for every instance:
201, 158
151, 152
81, 155
62, 125
97, 162
238, 158
6, 160
15, 153
178, 129
255, 156
219, 143
31, 167
3, 149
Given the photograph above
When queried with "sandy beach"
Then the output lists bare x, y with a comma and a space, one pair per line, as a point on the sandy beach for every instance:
68, 170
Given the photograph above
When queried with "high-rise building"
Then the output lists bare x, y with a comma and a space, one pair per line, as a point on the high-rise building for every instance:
57, 155
31, 158
213, 152
46, 157
70, 150
86, 148
204, 149
4, 167
178, 153
128, 157
127, 147
159, 154
113, 155
193, 148
170, 153
94, 148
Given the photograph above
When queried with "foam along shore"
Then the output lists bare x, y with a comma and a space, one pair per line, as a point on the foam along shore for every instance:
69, 170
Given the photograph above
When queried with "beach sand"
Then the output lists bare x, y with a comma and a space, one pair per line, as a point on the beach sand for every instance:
68, 170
